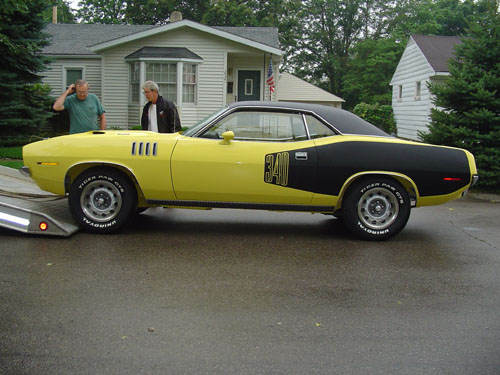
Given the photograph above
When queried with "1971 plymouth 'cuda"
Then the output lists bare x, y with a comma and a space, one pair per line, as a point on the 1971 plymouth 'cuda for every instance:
253, 155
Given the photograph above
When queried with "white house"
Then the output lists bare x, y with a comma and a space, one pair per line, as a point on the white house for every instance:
200, 68
424, 60
294, 89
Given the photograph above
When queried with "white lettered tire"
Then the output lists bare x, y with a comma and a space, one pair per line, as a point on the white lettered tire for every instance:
376, 208
102, 200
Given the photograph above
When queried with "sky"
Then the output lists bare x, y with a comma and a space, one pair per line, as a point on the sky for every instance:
73, 3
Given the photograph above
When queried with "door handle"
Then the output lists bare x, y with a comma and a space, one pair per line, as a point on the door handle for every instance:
301, 155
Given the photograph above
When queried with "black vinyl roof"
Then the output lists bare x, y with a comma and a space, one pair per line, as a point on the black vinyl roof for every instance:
344, 121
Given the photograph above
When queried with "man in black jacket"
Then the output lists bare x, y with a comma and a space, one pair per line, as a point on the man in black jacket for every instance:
159, 114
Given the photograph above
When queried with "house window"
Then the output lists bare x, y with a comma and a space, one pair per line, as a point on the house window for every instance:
134, 89
71, 75
400, 93
165, 75
189, 83
418, 88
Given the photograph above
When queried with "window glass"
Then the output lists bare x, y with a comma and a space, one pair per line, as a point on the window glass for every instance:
165, 75
317, 129
72, 75
134, 82
418, 87
189, 83
260, 126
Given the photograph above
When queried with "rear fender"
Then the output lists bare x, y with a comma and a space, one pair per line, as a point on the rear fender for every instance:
404, 180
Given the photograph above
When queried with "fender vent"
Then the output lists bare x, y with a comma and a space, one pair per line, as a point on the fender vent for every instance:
144, 149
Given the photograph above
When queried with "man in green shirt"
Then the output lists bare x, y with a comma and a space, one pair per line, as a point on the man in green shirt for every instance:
83, 108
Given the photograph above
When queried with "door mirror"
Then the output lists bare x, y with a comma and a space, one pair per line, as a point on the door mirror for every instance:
228, 136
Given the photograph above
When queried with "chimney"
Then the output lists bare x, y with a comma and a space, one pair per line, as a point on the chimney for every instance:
54, 14
175, 16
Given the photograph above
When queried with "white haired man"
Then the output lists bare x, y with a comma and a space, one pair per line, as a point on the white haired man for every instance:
159, 114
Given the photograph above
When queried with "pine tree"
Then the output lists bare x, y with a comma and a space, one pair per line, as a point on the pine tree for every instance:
23, 99
468, 104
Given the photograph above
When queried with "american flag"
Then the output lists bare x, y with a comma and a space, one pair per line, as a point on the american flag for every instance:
270, 76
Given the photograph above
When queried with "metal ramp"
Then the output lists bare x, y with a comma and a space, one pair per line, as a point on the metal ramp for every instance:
26, 208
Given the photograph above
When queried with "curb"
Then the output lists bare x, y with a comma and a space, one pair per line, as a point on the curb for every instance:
485, 197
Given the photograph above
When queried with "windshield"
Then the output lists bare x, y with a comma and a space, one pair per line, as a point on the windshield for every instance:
194, 129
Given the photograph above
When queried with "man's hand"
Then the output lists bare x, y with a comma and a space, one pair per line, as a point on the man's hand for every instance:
59, 103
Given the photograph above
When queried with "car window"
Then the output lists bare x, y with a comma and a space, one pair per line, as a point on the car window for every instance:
317, 129
260, 126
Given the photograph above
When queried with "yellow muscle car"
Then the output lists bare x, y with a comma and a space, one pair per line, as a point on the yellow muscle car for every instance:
253, 155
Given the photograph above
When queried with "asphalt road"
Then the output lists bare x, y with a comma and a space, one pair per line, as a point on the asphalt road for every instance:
237, 292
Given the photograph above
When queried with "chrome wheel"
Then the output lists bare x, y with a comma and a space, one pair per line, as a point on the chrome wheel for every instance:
378, 208
101, 201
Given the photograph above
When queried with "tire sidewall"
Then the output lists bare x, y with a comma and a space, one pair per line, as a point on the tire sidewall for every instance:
351, 216
122, 184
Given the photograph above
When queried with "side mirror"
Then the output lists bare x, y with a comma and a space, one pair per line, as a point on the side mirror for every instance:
228, 136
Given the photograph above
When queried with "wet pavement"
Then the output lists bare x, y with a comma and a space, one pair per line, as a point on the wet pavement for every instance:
237, 292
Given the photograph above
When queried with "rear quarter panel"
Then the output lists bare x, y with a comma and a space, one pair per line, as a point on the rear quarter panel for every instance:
425, 166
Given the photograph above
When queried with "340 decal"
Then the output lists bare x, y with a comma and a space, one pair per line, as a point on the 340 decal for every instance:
277, 167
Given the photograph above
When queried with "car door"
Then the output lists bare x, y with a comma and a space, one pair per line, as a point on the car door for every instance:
270, 152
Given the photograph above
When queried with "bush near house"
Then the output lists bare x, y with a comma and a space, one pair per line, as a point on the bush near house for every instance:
379, 115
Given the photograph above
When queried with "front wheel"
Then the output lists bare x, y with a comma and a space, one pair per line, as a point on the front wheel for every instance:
376, 208
102, 200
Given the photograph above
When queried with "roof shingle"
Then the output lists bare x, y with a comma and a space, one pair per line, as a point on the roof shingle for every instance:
437, 49
75, 39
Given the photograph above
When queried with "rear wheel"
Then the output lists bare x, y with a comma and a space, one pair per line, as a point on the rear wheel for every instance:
376, 208
102, 200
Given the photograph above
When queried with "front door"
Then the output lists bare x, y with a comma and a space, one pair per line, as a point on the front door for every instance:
248, 85
270, 160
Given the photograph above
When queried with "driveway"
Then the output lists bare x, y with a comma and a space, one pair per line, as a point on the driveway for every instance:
237, 292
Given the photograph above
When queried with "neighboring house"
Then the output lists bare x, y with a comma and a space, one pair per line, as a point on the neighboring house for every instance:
294, 89
200, 68
424, 60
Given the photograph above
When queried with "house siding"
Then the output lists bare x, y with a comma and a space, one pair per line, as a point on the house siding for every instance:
92, 74
412, 114
211, 74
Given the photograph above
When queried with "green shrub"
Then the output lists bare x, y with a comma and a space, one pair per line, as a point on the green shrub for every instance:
379, 115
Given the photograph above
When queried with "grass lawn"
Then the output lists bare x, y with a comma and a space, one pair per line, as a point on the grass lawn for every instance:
11, 153
11, 157
16, 164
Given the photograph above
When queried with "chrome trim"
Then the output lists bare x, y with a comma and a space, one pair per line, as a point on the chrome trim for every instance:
265, 107
301, 155
475, 179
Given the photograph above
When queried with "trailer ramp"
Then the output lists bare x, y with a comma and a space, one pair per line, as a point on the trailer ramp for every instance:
26, 208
